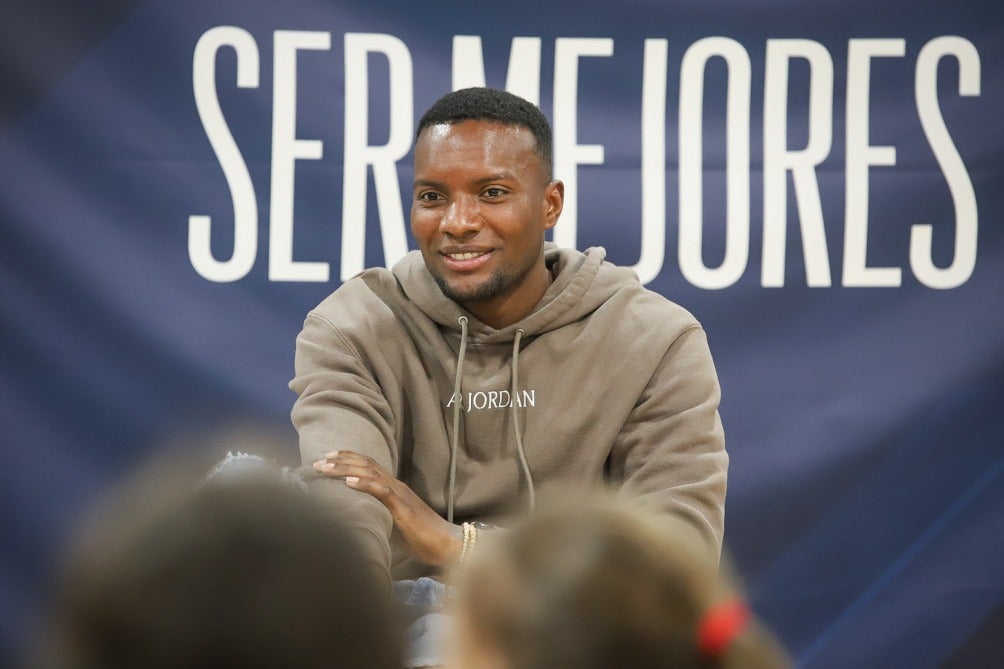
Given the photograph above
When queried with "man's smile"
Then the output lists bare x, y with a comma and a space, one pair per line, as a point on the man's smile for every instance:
465, 260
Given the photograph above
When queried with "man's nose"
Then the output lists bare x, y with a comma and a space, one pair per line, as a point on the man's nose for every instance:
461, 218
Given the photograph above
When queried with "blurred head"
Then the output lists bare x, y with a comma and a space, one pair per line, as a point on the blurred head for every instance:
244, 574
601, 587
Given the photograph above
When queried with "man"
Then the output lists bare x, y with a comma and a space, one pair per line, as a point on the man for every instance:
489, 367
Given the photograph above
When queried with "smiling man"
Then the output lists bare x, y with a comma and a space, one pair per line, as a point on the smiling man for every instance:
491, 367
483, 198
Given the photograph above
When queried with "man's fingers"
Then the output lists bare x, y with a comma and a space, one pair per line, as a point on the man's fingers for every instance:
381, 491
345, 458
367, 477
363, 474
342, 469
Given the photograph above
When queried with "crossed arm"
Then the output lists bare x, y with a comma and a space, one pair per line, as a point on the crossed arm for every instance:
430, 538
670, 451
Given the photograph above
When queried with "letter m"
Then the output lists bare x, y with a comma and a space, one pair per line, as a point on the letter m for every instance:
523, 77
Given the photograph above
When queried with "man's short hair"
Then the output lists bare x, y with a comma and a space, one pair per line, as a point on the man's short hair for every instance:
490, 104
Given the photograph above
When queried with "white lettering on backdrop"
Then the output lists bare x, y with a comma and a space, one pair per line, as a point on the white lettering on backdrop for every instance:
571, 54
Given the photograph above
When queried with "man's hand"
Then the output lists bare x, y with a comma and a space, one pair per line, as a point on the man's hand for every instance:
430, 538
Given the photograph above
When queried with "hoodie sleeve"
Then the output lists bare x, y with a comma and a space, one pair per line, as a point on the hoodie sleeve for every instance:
341, 406
671, 451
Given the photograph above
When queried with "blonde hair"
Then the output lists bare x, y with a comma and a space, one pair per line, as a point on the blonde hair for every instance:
600, 586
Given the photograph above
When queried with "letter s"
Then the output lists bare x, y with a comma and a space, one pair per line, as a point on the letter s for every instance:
959, 183
229, 156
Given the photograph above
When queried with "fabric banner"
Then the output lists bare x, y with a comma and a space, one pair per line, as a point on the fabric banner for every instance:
820, 184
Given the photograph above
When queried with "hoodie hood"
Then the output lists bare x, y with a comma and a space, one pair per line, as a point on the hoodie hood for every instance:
582, 281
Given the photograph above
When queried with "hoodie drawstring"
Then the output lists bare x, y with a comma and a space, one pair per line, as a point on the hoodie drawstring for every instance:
457, 399
517, 430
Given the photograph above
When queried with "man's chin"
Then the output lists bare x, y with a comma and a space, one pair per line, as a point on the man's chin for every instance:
464, 292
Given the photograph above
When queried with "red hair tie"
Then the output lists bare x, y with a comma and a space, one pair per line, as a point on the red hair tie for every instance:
720, 626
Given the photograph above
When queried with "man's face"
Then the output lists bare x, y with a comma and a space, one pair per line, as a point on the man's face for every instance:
480, 206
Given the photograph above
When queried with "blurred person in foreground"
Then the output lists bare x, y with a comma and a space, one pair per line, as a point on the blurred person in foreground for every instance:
243, 572
601, 586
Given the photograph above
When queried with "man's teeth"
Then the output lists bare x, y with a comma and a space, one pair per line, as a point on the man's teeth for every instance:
464, 256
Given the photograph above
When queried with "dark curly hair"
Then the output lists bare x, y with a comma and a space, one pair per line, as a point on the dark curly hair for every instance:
490, 104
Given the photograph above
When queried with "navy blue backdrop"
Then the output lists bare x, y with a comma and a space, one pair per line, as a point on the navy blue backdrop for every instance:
821, 184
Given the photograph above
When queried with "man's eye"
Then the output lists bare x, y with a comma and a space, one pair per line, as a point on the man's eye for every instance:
429, 196
494, 191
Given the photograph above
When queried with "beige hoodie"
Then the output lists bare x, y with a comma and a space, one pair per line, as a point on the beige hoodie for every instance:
615, 385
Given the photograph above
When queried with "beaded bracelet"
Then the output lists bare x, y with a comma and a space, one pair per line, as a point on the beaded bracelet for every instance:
470, 539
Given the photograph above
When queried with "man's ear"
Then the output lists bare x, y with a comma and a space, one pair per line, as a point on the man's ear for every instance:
554, 201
